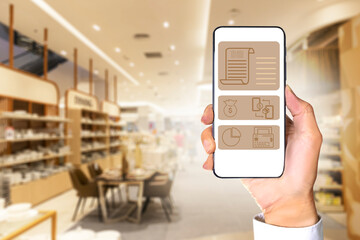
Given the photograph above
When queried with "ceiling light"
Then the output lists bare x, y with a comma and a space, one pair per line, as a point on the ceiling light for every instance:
96, 27
231, 22
63, 52
166, 24
117, 50
141, 74
96, 72
67, 25
176, 62
172, 47
132, 64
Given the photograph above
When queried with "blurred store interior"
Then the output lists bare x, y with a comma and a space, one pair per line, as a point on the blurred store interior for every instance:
90, 88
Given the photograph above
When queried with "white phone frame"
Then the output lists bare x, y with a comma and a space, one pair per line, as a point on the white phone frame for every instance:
249, 163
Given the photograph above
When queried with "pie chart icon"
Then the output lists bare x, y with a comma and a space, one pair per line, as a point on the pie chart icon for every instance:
231, 136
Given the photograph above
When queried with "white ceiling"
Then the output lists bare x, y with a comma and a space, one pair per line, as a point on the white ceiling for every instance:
191, 26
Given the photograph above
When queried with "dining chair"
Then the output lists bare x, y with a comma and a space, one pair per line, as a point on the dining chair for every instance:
95, 170
84, 189
159, 187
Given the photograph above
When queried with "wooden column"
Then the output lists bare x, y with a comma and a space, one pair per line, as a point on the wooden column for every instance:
115, 89
11, 35
106, 86
45, 53
75, 69
91, 76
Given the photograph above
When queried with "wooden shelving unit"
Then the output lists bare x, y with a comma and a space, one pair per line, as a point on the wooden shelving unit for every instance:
89, 121
27, 115
115, 141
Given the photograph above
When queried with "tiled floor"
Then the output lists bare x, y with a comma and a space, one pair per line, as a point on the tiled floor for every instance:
207, 208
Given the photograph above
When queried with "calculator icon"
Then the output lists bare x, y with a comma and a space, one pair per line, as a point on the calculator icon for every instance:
263, 137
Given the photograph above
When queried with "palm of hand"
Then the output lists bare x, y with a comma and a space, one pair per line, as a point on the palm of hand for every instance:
288, 200
298, 175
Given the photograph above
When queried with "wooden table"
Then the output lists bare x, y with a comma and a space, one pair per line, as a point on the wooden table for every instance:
130, 180
14, 229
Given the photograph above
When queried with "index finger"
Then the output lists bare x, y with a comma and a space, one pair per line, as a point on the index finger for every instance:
208, 115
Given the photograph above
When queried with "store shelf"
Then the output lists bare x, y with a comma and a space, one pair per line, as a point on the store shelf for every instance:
94, 123
332, 138
30, 118
97, 136
34, 160
333, 169
331, 154
94, 149
115, 145
330, 187
34, 139
330, 208
116, 124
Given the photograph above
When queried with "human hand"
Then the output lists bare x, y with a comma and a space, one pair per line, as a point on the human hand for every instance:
287, 201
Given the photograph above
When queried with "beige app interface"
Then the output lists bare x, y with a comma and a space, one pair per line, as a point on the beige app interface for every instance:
249, 137
248, 65
248, 107
252, 66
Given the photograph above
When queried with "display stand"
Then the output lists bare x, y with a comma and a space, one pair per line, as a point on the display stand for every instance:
115, 132
90, 129
33, 154
329, 188
349, 46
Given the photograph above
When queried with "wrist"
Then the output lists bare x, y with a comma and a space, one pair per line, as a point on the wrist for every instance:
292, 212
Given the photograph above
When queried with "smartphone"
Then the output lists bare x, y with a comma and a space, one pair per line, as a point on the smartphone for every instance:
249, 74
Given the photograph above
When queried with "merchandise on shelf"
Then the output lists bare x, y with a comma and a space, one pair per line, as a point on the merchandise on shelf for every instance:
92, 156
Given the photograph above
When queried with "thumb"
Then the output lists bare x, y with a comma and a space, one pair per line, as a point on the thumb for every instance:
302, 112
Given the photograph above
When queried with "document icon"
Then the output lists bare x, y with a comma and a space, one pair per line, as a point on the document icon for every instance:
237, 70
249, 65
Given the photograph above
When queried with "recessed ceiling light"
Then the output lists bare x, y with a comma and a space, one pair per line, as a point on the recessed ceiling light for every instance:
231, 22
176, 62
132, 64
172, 47
166, 24
63, 52
96, 72
96, 27
141, 74
117, 50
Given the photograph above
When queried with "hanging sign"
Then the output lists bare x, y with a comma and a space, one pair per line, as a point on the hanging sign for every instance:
80, 100
111, 108
22, 85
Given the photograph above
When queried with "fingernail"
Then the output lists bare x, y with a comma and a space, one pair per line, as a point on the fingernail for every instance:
207, 145
289, 88
205, 166
203, 118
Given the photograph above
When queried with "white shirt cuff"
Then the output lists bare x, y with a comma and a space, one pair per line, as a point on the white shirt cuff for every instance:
267, 231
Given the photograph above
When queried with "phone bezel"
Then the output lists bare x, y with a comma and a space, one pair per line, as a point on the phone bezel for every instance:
284, 107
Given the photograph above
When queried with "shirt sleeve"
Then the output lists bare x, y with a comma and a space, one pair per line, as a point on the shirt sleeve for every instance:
264, 231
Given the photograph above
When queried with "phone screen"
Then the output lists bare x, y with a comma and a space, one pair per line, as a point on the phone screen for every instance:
248, 101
